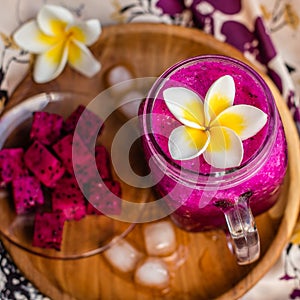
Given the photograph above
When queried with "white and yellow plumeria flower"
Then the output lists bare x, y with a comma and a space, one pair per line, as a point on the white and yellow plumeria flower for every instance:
57, 38
214, 128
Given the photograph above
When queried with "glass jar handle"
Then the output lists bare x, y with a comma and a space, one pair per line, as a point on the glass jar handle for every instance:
242, 231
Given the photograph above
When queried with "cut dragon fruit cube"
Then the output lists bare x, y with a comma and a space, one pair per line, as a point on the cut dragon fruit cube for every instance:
70, 200
27, 194
46, 127
88, 176
64, 149
48, 230
92, 210
67, 181
102, 162
71, 122
89, 124
45, 166
11, 165
102, 199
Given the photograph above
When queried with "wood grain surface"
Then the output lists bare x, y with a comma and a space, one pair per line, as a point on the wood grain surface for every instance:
209, 270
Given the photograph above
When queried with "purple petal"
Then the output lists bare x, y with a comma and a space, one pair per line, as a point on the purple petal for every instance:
171, 7
295, 294
229, 7
287, 277
266, 47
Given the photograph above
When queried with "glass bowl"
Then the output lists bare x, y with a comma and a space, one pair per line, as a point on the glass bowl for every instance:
88, 236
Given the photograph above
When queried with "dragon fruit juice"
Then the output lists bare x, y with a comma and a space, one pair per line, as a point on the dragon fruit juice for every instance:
195, 191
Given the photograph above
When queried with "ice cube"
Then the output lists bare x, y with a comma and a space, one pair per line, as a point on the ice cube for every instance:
123, 256
152, 272
119, 79
160, 239
131, 102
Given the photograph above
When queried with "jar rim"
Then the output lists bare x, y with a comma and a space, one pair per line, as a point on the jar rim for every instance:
231, 176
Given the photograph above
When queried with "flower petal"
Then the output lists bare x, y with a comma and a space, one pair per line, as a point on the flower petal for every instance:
82, 60
52, 19
30, 38
86, 32
244, 120
219, 97
51, 63
185, 105
225, 149
186, 142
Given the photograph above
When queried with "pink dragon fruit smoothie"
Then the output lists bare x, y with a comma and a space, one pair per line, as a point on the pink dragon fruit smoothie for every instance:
197, 193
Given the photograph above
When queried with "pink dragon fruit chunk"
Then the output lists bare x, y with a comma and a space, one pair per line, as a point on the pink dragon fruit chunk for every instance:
92, 210
102, 162
48, 230
11, 165
102, 199
27, 194
68, 198
67, 181
87, 176
43, 164
71, 122
46, 127
90, 124
64, 148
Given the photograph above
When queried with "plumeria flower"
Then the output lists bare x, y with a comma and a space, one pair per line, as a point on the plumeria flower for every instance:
214, 128
57, 38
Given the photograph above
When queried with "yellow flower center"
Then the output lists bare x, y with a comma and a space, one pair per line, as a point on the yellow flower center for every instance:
58, 27
218, 103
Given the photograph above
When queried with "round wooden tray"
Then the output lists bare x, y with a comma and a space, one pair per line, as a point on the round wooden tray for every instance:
210, 270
